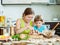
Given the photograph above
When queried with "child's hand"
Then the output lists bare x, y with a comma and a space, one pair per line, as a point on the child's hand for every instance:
32, 32
40, 33
36, 31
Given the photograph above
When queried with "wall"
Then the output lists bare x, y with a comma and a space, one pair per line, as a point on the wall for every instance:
15, 11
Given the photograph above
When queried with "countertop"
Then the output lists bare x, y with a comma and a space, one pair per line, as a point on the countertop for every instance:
36, 41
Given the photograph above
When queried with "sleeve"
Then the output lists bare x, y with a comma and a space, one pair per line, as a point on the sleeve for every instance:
45, 27
35, 28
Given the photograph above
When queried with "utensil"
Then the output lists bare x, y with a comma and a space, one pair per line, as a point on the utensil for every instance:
55, 26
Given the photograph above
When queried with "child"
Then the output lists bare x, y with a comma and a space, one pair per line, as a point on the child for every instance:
39, 24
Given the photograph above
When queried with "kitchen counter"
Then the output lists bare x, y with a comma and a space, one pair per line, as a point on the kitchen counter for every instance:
36, 41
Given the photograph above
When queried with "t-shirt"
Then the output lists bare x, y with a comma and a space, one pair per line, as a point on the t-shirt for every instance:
22, 25
41, 29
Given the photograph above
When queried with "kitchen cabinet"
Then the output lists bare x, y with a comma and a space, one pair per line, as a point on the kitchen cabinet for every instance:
4, 30
1, 31
16, 1
23, 1
40, 1
19, 2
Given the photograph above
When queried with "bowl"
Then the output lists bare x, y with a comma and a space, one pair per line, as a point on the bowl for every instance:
49, 33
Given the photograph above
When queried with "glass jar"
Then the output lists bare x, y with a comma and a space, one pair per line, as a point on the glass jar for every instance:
2, 20
12, 30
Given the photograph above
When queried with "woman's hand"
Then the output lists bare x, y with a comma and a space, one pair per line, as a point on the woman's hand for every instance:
29, 27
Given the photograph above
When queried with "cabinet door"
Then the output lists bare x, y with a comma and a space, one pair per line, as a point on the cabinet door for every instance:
41, 1
1, 31
16, 1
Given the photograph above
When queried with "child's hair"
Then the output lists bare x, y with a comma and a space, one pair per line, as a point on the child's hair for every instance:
38, 18
28, 11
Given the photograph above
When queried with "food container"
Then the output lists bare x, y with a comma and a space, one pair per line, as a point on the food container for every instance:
57, 42
2, 20
19, 43
0, 43
31, 44
49, 33
7, 43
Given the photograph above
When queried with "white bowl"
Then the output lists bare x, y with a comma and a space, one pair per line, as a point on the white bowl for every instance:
49, 33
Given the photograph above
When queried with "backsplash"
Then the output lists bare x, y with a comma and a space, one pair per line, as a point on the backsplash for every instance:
15, 11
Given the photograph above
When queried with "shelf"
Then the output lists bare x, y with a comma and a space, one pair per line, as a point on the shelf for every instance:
15, 2
52, 21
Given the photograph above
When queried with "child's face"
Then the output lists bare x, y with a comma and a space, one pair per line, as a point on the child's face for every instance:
38, 23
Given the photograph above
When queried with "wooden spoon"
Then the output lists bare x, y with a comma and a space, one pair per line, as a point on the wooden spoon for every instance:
55, 26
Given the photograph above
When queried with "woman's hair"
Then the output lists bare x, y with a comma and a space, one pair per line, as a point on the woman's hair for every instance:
38, 18
28, 11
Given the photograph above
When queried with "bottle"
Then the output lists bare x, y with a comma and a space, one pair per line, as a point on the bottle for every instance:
12, 30
9, 22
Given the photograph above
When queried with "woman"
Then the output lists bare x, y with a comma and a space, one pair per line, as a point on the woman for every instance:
24, 25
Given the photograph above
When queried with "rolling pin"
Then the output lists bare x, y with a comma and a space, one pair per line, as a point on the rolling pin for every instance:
55, 26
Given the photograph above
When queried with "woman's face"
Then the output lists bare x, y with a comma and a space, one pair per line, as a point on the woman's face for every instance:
28, 18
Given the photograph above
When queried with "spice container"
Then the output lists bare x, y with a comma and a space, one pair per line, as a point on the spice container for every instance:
7, 43
57, 42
